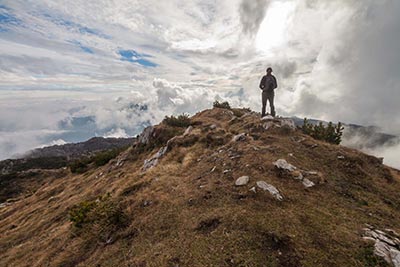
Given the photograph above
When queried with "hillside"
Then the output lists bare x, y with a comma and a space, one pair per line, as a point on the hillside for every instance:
229, 190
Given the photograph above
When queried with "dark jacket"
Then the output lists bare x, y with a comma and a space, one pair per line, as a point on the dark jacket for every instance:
268, 83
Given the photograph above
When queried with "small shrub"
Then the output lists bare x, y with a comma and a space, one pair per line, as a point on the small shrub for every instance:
330, 133
80, 165
103, 158
98, 218
218, 104
182, 120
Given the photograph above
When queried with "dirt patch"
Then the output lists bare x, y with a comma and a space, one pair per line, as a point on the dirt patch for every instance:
209, 225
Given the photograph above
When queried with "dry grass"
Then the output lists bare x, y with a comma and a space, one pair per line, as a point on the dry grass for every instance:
187, 212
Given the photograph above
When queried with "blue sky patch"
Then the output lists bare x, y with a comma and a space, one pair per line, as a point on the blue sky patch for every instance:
73, 26
84, 48
7, 19
135, 57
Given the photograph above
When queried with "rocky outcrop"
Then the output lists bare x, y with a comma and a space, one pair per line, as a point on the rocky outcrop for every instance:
387, 244
275, 122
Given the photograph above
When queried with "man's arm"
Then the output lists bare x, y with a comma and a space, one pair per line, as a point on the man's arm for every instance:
262, 83
275, 82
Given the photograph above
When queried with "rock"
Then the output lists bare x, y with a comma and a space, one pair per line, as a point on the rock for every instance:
277, 122
298, 175
387, 244
271, 189
188, 130
213, 126
242, 180
268, 117
145, 136
341, 157
307, 183
239, 137
288, 123
284, 165
153, 161
395, 256
253, 189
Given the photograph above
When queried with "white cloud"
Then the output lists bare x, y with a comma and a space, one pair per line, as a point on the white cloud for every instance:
334, 60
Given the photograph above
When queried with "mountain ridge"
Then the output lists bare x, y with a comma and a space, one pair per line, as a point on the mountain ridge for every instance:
207, 194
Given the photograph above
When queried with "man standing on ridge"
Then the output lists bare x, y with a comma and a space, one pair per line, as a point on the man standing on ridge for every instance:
267, 85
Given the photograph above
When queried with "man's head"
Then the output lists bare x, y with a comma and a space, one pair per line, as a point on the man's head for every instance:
269, 70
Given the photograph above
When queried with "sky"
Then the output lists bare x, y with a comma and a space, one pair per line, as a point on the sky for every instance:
70, 70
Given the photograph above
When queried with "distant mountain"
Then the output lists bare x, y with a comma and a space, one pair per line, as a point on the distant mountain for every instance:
58, 156
77, 150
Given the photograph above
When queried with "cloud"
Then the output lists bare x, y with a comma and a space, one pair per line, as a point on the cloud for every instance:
252, 14
71, 61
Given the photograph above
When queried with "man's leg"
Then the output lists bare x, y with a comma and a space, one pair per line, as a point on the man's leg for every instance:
264, 103
271, 103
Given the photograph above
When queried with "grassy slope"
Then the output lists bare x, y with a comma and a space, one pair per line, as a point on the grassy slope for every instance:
181, 214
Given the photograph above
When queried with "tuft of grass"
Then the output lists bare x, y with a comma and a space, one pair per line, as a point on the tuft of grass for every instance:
218, 104
182, 120
330, 133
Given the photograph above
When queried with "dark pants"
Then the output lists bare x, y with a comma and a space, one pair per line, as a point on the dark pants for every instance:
268, 96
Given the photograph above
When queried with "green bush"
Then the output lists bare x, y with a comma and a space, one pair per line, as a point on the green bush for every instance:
218, 104
103, 158
182, 120
330, 133
80, 165
98, 218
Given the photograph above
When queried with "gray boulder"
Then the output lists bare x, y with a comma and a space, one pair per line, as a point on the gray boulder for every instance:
242, 181
271, 189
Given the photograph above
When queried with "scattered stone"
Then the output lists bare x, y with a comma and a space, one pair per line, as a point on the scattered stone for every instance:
291, 155
271, 189
387, 244
147, 203
213, 126
284, 165
314, 146
298, 175
242, 181
226, 171
253, 189
213, 169
239, 137
341, 157
307, 183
